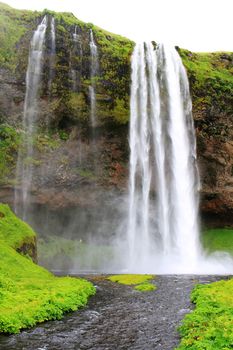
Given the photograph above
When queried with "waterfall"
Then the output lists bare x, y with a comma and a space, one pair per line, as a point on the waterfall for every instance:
163, 180
52, 53
24, 171
93, 73
76, 68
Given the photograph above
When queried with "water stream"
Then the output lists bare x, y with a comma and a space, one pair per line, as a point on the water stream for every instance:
94, 68
24, 172
117, 317
52, 54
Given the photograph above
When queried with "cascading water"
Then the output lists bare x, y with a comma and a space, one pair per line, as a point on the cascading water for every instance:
52, 52
94, 71
76, 69
163, 185
24, 172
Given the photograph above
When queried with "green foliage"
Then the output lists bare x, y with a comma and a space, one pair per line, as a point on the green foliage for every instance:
218, 240
9, 143
140, 282
209, 326
14, 231
28, 293
145, 287
211, 79
130, 279
13, 26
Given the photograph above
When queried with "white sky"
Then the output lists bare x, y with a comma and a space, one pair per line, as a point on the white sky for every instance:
198, 25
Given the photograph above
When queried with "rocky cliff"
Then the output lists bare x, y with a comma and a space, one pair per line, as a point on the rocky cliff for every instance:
78, 166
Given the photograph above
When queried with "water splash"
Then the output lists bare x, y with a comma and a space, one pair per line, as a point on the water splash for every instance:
24, 171
163, 228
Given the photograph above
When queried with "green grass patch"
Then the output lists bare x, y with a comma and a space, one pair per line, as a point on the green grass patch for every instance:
209, 326
13, 231
140, 282
130, 279
218, 240
145, 287
29, 294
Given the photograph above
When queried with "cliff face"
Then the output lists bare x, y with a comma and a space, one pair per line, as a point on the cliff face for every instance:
77, 166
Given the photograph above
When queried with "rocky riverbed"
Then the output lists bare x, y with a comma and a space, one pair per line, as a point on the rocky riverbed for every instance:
117, 317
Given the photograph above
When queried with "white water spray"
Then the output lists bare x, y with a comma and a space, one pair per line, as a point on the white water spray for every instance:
24, 172
163, 230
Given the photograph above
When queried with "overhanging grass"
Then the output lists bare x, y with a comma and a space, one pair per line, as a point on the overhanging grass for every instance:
14, 231
218, 240
209, 326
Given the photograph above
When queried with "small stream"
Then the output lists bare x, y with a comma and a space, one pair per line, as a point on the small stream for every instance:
117, 317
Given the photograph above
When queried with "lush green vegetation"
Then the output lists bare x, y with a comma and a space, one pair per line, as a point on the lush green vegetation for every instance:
13, 231
145, 287
9, 143
15, 23
209, 326
218, 240
211, 79
140, 282
28, 293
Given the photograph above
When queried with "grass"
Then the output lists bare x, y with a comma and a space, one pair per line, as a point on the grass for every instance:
218, 240
29, 294
13, 231
211, 79
9, 143
140, 282
209, 326
15, 23
145, 287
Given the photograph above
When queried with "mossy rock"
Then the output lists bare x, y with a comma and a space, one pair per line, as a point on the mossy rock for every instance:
17, 233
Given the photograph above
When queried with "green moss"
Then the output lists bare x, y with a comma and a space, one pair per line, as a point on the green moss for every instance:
209, 326
14, 231
140, 282
211, 79
145, 287
28, 293
130, 279
218, 240
13, 26
9, 143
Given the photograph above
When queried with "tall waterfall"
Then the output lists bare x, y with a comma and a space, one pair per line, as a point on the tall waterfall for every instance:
76, 69
52, 52
163, 181
94, 71
24, 171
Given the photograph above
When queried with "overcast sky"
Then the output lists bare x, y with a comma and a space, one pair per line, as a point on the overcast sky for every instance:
198, 25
